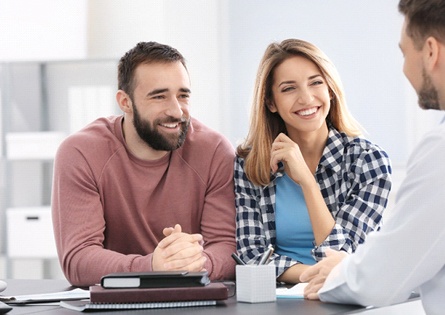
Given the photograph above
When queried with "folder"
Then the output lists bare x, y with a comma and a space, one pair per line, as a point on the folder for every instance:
214, 291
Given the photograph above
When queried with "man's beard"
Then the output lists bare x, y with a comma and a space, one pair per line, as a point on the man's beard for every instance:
149, 133
428, 97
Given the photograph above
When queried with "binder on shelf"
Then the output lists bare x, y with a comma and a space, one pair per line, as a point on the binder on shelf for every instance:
155, 279
214, 291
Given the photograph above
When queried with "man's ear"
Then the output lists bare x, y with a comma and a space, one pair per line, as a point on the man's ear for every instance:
431, 53
124, 101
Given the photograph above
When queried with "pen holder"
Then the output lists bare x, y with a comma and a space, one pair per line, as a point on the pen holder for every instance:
255, 283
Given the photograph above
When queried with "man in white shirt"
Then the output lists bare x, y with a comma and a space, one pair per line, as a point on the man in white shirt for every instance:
408, 253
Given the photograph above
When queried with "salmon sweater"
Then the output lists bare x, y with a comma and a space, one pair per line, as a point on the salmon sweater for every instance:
109, 207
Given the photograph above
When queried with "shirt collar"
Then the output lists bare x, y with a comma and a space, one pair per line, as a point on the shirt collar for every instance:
333, 152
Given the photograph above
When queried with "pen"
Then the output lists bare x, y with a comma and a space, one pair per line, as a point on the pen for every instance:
266, 255
237, 259
270, 255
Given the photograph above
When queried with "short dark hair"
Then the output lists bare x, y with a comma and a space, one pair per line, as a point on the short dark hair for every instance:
424, 18
144, 53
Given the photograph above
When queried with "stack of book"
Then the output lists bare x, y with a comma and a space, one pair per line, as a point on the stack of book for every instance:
151, 290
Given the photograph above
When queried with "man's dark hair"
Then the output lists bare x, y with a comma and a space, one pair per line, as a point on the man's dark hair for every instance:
424, 18
144, 53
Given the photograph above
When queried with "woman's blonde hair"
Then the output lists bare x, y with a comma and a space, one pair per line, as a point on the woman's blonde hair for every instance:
265, 125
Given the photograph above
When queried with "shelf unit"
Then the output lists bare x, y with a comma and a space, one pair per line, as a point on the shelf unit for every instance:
41, 103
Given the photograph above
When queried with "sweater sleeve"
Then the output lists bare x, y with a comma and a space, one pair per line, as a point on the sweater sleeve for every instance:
79, 224
218, 218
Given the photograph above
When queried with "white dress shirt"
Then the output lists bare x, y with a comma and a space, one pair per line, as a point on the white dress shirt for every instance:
408, 253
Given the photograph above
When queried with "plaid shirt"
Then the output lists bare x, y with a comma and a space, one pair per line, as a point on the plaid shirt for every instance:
354, 179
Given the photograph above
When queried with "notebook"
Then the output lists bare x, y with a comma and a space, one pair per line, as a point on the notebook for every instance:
155, 279
84, 306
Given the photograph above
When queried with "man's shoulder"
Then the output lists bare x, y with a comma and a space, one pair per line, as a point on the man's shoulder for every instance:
97, 136
202, 135
199, 128
432, 141
96, 130
204, 144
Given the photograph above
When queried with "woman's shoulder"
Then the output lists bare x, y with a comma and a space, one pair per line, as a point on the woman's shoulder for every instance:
356, 144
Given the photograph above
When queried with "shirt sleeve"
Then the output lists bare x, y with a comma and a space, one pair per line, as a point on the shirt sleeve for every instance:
360, 210
408, 250
255, 220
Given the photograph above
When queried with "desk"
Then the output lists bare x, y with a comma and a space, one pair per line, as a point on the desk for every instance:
281, 307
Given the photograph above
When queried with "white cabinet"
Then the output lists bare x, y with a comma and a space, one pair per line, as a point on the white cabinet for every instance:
41, 103
30, 233
33, 145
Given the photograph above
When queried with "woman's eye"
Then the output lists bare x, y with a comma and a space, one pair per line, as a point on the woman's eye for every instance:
286, 89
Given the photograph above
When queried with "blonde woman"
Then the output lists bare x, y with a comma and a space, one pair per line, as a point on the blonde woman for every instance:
305, 178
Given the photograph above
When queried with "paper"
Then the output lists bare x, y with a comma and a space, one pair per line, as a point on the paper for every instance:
295, 292
76, 294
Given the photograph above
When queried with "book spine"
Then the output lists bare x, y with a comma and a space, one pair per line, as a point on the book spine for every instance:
101, 295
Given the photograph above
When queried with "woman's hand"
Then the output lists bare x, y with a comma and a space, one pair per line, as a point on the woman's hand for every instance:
287, 151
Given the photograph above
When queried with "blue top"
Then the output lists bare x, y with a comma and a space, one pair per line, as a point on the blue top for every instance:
354, 176
295, 237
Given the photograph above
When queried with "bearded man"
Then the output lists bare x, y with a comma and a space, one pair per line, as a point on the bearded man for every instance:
150, 190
